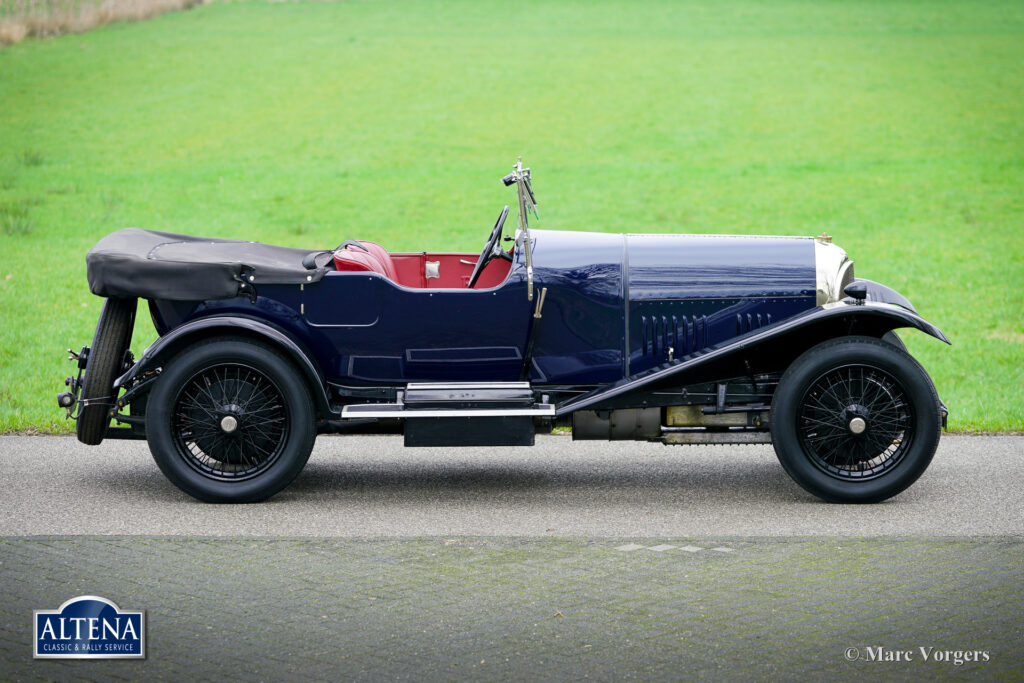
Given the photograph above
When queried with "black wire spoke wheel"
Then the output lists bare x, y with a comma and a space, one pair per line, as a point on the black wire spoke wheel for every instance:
230, 422
855, 422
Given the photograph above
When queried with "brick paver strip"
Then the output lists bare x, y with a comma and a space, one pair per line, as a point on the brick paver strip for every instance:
629, 547
524, 609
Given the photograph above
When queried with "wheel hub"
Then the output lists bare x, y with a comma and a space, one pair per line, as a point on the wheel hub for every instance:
228, 424
855, 417
858, 425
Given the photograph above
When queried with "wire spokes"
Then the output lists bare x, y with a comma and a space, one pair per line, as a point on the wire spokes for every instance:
230, 422
855, 422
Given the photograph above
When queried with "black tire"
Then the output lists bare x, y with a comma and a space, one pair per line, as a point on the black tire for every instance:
271, 435
814, 413
113, 337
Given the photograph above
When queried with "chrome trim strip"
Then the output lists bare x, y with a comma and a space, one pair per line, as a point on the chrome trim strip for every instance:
467, 385
398, 411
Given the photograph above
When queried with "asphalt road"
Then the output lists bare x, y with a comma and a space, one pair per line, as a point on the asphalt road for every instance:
530, 609
568, 560
358, 486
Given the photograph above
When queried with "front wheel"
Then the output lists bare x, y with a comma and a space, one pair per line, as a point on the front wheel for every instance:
230, 421
855, 420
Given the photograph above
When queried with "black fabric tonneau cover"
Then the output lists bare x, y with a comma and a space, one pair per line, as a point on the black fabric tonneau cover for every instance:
162, 265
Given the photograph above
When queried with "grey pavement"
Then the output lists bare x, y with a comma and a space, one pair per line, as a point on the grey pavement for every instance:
604, 561
371, 486
530, 609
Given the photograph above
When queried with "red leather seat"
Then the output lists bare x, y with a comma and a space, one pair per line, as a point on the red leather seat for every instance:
375, 259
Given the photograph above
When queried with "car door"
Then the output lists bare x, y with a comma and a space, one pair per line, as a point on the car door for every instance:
384, 333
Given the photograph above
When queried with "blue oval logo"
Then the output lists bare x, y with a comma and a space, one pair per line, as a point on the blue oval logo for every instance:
89, 627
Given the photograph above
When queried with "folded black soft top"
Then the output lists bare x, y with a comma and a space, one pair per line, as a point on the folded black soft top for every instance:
162, 265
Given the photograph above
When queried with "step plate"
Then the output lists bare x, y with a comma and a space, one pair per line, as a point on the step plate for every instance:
400, 411
467, 395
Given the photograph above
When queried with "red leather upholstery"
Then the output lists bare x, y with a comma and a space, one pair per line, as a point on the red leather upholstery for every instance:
375, 259
454, 270
408, 270
381, 254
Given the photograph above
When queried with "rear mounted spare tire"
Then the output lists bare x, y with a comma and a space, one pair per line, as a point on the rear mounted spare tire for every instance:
113, 336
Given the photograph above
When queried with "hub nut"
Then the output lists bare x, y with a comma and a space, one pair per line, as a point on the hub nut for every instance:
229, 423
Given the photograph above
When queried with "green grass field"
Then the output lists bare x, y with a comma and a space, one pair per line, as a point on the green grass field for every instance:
896, 127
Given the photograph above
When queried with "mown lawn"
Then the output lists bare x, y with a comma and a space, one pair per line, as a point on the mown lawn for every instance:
896, 127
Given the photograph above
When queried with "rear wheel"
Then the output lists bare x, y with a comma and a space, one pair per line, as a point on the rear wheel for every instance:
855, 420
230, 421
106, 355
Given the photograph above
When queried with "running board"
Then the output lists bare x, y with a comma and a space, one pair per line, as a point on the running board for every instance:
455, 399
461, 413
401, 411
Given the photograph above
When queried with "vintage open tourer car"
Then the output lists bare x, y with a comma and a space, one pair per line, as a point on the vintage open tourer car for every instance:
683, 339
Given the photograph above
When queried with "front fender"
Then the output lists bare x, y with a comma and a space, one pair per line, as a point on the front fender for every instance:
890, 315
879, 293
202, 328
798, 333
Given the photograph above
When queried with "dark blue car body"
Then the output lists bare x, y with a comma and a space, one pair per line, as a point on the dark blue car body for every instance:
616, 304
672, 338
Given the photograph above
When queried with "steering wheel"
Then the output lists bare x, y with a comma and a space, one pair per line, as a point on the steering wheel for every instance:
492, 249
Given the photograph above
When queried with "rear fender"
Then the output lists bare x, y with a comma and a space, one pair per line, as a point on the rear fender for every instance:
204, 328
784, 340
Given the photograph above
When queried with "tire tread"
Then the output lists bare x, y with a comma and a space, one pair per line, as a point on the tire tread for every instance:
870, 492
254, 490
113, 332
